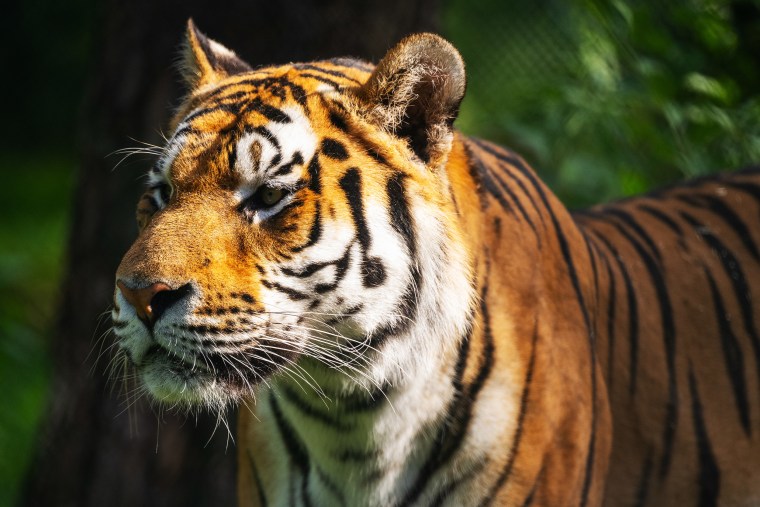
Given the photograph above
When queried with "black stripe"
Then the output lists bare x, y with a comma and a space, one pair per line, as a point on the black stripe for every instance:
592, 254
352, 63
445, 491
350, 183
733, 220
329, 72
119, 324
334, 149
345, 314
475, 171
356, 456
628, 220
341, 268
336, 119
525, 192
490, 185
662, 217
373, 271
497, 188
339, 122
734, 272
292, 294
312, 412
454, 429
505, 187
708, 480
266, 134
642, 492
341, 265
517, 438
227, 108
406, 309
288, 167
732, 354
184, 131
275, 85
231, 149
401, 218
308, 270
633, 314
565, 249
364, 401
229, 98
513, 161
316, 229
611, 314
532, 494
314, 170
294, 446
271, 113
669, 338
321, 79
331, 486
257, 479
745, 186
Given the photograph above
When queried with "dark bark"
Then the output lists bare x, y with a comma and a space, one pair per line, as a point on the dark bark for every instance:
87, 454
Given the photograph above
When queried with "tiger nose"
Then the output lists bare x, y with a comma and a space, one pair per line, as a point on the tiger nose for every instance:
152, 301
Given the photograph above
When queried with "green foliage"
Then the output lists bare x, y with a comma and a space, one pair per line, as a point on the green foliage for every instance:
34, 201
608, 99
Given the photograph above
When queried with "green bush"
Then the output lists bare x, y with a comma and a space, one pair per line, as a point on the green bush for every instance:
608, 99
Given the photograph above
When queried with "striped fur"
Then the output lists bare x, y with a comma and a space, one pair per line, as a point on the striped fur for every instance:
410, 317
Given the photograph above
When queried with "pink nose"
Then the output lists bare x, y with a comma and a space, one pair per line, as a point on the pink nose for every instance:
143, 300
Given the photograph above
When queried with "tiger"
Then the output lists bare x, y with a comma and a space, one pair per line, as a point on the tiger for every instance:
408, 316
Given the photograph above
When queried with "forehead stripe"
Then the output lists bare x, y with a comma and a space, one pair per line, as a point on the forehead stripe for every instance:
322, 79
288, 167
331, 72
238, 108
276, 148
273, 83
265, 133
271, 113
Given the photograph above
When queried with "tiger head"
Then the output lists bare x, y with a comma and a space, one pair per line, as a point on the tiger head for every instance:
299, 222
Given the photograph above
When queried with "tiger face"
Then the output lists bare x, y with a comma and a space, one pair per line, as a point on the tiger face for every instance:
297, 219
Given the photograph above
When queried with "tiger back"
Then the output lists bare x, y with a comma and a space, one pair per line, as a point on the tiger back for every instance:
408, 316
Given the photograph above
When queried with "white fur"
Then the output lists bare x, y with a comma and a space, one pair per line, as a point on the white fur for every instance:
417, 364
296, 136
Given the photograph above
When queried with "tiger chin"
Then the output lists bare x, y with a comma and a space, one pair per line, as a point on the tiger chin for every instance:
414, 319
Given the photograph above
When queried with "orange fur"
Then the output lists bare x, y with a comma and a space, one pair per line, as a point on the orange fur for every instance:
547, 405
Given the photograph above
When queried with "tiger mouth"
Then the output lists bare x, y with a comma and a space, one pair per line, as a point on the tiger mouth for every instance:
200, 378
174, 362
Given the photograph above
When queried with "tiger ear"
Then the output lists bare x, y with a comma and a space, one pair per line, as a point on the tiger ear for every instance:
205, 61
415, 92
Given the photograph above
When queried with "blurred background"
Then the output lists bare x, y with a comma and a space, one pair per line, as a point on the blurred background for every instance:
604, 98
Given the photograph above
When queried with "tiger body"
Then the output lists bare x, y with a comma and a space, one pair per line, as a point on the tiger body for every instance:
409, 317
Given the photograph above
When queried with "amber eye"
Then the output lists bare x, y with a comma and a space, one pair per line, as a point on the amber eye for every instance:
263, 199
270, 196
164, 191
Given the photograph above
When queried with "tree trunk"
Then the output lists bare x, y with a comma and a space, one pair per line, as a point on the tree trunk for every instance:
92, 451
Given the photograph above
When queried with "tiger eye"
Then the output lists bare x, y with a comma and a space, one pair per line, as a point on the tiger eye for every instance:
166, 192
271, 196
